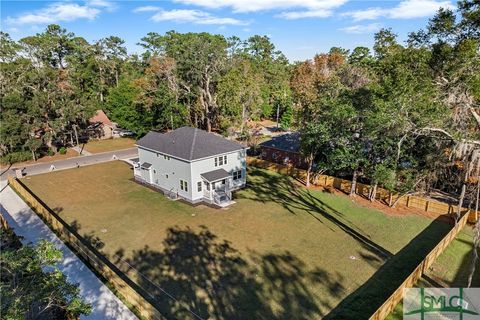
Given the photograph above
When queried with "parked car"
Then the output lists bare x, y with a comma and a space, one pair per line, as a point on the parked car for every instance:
126, 133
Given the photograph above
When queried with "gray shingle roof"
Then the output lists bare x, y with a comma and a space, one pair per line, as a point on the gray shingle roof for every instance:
146, 165
188, 143
215, 175
287, 142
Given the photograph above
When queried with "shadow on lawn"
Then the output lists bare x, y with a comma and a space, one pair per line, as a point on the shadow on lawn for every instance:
90, 237
362, 303
199, 276
365, 300
282, 190
463, 272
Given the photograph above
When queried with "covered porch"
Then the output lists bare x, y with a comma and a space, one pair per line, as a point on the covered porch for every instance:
217, 186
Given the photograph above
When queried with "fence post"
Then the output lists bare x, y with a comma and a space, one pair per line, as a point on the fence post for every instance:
426, 205
408, 201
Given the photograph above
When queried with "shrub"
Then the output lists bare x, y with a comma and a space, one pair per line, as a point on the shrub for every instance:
50, 152
17, 156
62, 150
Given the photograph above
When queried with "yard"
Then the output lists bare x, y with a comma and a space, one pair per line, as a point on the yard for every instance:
451, 269
97, 146
280, 252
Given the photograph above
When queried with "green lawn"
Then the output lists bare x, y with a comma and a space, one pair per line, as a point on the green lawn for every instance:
453, 266
280, 252
451, 269
97, 146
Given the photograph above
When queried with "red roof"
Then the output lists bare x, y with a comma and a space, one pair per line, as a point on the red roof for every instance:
101, 117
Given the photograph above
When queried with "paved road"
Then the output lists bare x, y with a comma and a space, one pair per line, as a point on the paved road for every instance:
105, 305
72, 162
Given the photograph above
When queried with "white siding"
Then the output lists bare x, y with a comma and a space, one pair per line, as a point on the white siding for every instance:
235, 161
175, 169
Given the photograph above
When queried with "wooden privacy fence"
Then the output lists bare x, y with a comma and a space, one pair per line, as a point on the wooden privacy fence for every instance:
416, 202
134, 294
390, 304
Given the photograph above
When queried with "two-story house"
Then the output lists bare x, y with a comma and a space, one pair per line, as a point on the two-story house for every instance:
191, 164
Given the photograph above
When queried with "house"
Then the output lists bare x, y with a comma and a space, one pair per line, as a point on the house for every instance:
100, 126
284, 149
191, 164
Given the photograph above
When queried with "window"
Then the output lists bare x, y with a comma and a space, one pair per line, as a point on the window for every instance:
166, 176
237, 175
220, 161
166, 157
183, 185
199, 186
154, 171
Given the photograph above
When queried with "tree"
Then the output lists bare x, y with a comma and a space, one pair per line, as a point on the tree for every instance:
200, 59
239, 95
32, 285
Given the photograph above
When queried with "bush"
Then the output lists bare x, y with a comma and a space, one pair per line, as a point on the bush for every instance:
50, 152
18, 156
62, 150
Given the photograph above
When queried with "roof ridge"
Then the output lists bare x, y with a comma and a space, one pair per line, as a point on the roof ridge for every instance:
193, 142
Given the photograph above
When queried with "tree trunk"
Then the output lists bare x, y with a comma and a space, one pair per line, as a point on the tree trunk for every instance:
373, 192
462, 194
76, 133
309, 170
278, 113
353, 188
243, 119
49, 143
33, 155
208, 124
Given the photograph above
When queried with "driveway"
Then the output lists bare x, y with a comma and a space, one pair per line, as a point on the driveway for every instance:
105, 305
72, 162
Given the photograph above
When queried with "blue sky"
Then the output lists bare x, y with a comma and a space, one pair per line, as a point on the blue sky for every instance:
300, 28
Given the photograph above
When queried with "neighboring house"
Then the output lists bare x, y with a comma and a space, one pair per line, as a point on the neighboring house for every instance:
191, 164
100, 126
284, 149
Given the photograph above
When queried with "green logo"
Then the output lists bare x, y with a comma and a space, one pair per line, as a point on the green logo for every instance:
441, 303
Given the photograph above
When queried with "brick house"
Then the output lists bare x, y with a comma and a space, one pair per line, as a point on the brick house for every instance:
100, 126
284, 149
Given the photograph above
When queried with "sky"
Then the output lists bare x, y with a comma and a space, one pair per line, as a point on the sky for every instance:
299, 28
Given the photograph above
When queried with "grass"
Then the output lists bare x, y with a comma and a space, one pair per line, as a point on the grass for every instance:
450, 269
97, 146
280, 252
453, 266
